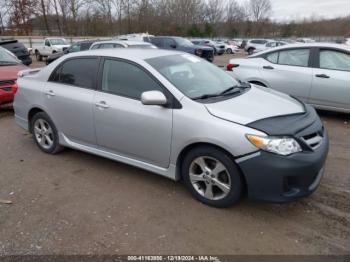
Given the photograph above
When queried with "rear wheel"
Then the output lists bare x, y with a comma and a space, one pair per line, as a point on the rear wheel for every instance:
212, 177
45, 133
250, 51
229, 51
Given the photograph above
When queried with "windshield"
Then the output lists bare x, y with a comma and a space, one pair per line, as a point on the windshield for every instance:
194, 77
58, 42
183, 42
7, 58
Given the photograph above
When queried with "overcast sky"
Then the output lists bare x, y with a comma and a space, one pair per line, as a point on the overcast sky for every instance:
285, 10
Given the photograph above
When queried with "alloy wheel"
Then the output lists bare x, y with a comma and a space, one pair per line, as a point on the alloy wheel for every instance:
43, 133
210, 178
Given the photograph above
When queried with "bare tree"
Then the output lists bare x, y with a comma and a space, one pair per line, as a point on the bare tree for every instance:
57, 15
214, 11
260, 9
235, 12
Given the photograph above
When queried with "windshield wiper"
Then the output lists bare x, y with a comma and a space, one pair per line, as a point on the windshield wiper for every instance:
206, 96
233, 90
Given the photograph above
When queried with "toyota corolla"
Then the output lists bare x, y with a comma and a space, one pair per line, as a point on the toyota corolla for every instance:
179, 116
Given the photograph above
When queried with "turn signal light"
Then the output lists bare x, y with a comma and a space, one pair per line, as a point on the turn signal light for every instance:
231, 66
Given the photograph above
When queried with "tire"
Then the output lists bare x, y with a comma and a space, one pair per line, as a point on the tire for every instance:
204, 186
38, 56
45, 133
229, 51
250, 51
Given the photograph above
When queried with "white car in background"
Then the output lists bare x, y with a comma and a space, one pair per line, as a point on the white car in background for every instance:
256, 44
316, 73
347, 41
110, 44
230, 47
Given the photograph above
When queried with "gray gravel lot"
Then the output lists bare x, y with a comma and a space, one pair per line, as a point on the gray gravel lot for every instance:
76, 203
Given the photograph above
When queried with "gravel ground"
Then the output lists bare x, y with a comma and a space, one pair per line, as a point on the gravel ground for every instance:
76, 203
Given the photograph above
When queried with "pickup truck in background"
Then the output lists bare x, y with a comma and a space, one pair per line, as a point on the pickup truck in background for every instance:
50, 46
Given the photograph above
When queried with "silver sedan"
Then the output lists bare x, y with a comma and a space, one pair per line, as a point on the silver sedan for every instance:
178, 116
316, 73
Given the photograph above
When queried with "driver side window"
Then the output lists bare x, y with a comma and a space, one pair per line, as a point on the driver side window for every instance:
125, 79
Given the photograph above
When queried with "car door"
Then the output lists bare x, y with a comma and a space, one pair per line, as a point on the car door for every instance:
124, 125
288, 71
47, 48
69, 98
331, 79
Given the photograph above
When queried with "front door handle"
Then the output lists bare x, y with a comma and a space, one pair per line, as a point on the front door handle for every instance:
268, 67
102, 104
50, 93
322, 76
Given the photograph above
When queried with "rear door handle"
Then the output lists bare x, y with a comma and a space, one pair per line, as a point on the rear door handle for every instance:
50, 93
268, 67
102, 104
322, 76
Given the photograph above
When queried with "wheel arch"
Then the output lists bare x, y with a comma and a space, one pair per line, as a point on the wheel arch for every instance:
32, 112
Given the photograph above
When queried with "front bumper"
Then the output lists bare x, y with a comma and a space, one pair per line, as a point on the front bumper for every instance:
276, 178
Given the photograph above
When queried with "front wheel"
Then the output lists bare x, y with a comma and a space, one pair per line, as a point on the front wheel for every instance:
212, 177
38, 56
229, 51
45, 133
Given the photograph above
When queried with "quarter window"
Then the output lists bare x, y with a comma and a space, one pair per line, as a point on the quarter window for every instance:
78, 72
330, 59
273, 57
124, 79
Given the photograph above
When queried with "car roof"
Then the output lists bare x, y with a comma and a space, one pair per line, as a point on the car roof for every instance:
122, 42
301, 45
126, 53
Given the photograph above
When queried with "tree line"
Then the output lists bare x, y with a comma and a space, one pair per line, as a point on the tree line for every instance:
195, 18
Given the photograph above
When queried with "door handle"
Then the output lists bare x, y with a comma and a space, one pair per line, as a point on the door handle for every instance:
50, 93
322, 76
268, 67
102, 104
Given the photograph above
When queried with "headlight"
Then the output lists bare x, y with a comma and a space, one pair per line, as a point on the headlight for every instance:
279, 145
199, 52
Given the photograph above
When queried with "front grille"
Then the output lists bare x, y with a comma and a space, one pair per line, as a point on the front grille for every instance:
314, 140
6, 83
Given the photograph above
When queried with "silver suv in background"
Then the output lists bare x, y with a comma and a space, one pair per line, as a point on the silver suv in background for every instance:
179, 116
316, 73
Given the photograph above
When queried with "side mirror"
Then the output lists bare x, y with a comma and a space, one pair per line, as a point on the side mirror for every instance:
153, 98
173, 46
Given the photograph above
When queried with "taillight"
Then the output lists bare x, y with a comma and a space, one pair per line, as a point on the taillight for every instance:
14, 88
231, 66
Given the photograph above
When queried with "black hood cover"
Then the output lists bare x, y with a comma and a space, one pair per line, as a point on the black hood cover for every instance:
290, 125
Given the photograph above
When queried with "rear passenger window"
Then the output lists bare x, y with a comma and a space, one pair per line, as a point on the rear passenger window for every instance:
80, 72
330, 59
157, 42
294, 57
124, 79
